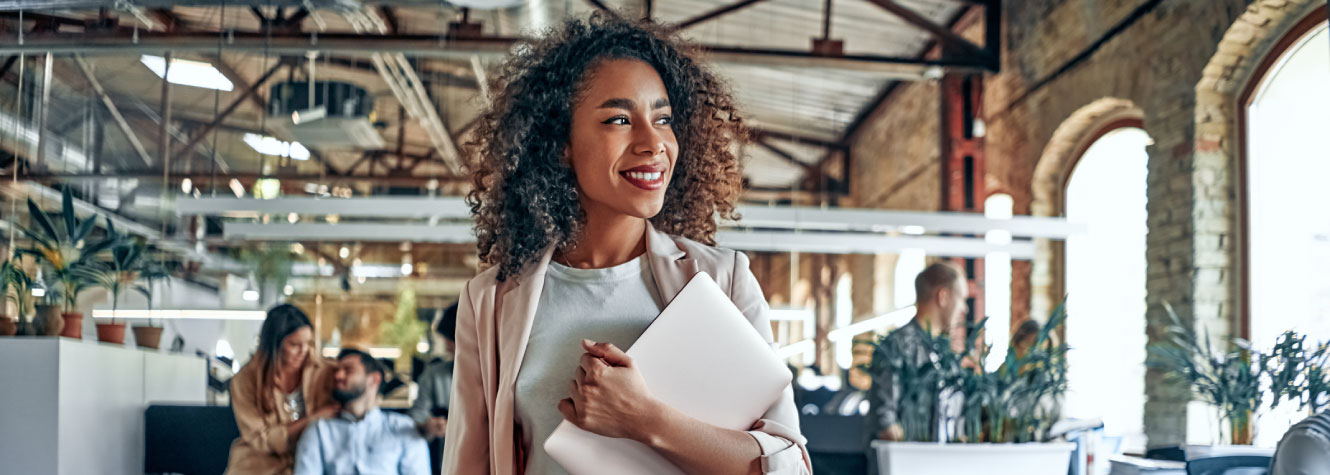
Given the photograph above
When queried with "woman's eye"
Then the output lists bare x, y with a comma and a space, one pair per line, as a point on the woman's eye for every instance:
617, 120
665, 120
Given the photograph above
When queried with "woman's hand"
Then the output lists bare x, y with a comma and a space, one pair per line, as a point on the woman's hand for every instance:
326, 412
609, 397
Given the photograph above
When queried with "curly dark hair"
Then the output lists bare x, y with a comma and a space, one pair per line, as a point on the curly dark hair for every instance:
525, 195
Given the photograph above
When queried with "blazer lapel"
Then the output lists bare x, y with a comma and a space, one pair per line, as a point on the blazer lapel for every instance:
515, 316
516, 310
671, 267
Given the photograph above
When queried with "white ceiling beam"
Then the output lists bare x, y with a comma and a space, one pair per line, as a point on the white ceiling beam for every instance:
777, 217
847, 219
772, 241
867, 243
384, 207
369, 232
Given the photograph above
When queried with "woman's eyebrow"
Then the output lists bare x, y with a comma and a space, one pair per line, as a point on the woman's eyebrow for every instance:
619, 103
629, 104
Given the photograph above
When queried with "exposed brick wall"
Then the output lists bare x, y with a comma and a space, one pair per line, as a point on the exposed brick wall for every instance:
895, 155
1178, 66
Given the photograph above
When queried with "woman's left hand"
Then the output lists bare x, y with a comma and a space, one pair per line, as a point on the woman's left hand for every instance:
609, 397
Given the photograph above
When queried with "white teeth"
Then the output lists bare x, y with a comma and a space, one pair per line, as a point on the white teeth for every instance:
653, 176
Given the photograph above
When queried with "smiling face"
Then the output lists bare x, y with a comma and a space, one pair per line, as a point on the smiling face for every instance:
295, 347
622, 146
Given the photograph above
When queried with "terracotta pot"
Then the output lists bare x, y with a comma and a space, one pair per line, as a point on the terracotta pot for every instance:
47, 321
73, 325
111, 333
1240, 429
148, 337
8, 327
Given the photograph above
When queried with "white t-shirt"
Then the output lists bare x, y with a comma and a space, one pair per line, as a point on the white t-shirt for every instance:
614, 305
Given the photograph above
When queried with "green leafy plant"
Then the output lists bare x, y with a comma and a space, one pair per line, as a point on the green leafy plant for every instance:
18, 288
124, 271
1230, 379
63, 248
1296, 373
271, 264
1316, 382
1016, 403
405, 330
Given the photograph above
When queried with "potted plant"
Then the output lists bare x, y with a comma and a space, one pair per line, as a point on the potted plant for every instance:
1228, 378
46, 320
1005, 417
20, 292
8, 326
62, 248
149, 335
116, 275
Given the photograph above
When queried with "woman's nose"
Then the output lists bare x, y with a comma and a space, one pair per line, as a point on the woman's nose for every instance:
647, 141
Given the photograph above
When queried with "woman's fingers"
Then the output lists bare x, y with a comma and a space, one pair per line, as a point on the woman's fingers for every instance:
568, 409
581, 375
608, 352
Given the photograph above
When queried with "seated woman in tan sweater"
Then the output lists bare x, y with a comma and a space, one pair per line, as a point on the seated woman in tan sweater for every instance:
283, 388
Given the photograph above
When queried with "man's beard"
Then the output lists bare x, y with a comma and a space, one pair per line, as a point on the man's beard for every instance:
348, 395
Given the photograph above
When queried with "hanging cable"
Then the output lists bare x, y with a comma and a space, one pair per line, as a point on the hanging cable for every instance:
18, 117
216, 105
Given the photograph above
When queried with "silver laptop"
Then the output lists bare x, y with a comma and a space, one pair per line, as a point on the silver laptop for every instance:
701, 356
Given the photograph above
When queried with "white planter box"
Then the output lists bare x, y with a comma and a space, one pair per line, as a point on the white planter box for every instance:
928, 458
76, 407
1194, 452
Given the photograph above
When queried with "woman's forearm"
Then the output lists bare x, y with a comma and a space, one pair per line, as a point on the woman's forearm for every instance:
295, 429
698, 447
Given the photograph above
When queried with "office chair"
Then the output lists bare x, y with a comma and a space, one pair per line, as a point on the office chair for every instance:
1229, 465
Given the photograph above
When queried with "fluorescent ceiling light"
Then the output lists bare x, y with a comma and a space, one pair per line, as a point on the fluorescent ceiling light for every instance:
250, 295
805, 346
183, 314
271, 146
188, 73
894, 319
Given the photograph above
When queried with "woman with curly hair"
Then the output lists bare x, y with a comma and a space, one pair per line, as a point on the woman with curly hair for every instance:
600, 170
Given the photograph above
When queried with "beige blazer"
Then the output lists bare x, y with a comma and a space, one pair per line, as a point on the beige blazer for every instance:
264, 446
494, 322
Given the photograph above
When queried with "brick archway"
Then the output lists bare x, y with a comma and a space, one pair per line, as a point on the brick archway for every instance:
1070, 140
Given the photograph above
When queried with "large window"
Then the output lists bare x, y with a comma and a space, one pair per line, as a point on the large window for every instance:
1287, 225
1105, 271
997, 283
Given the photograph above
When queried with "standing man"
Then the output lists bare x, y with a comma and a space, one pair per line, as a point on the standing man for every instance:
434, 386
362, 439
940, 295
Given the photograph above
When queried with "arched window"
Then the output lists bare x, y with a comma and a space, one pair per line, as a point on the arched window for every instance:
1287, 232
1105, 278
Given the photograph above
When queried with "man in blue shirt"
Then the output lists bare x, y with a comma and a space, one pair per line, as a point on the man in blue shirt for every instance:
361, 440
